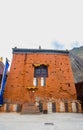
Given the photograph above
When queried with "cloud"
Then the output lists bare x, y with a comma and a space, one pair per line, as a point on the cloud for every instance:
75, 44
58, 45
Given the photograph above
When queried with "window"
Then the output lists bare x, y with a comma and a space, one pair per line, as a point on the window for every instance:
35, 82
68, 84
41, 71
43, 81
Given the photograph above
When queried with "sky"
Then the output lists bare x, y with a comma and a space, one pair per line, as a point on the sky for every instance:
51, 24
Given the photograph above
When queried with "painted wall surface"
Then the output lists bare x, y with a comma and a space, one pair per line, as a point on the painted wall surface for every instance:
59, 83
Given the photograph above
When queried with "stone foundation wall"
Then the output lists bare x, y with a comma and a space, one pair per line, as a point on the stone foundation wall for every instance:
73, 106
10, 108
62, 106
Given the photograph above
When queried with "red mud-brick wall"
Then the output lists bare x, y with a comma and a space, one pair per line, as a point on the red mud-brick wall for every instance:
59, 83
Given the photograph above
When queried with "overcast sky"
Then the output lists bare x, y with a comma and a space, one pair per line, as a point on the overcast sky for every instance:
53, 24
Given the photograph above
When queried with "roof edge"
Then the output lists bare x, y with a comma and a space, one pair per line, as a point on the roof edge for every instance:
23, 50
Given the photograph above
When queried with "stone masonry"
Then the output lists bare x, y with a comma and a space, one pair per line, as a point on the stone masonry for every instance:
59, 82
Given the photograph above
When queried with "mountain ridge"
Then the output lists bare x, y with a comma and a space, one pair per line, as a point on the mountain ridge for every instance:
76, 58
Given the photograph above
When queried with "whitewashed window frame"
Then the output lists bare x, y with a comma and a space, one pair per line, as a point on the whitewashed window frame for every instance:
43, 81
35, 82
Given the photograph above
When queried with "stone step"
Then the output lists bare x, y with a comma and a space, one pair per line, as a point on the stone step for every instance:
29, 108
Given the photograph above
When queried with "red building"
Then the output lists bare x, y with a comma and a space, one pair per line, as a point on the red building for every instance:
79, 90
41, 76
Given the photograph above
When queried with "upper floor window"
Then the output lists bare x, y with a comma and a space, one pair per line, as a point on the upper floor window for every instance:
35, 82
41, 71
